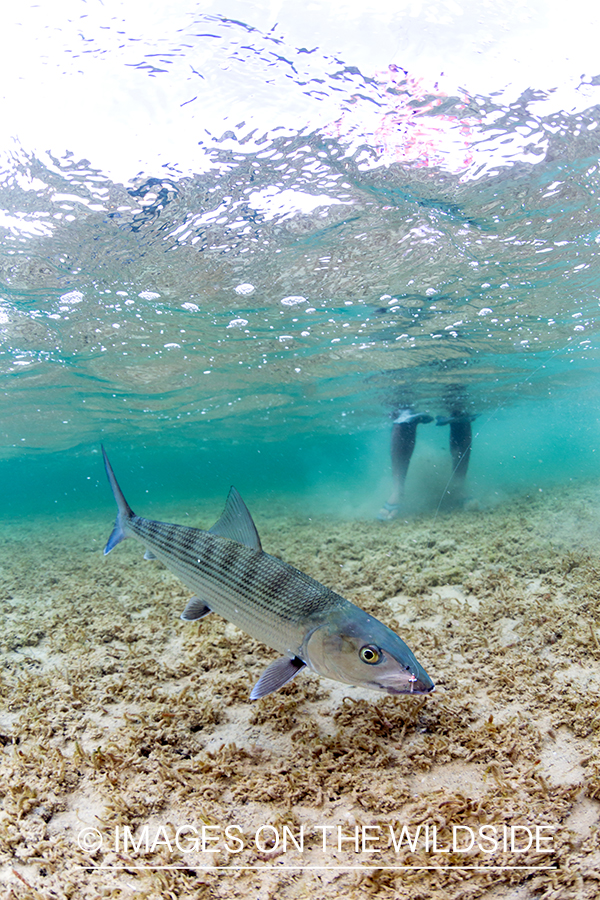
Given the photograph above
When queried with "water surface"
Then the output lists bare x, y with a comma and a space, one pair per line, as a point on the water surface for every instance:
230, 254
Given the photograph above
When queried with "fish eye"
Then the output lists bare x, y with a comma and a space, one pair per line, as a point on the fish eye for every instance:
370, 654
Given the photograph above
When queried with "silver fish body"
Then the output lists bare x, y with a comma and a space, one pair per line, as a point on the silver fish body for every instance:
308, 623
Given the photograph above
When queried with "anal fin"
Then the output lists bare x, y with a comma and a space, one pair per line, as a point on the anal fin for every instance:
195, 609
276, 675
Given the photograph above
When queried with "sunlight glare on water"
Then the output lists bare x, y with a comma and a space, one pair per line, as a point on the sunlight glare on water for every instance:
233, 222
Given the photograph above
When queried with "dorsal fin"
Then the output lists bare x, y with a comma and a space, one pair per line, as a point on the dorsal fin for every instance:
236, 523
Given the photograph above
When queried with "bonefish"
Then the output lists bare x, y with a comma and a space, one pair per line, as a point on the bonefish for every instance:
308, 623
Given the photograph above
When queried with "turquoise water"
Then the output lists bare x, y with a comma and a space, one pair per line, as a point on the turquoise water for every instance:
258, 248
235, 239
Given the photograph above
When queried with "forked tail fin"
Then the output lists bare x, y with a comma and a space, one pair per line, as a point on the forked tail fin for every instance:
125, 511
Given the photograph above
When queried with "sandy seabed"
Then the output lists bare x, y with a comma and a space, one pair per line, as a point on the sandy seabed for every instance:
127, 737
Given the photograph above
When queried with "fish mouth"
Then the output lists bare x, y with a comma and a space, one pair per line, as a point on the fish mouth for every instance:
410, 687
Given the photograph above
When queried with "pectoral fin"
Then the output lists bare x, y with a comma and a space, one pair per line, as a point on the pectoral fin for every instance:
276, 675
149, 554
195, 609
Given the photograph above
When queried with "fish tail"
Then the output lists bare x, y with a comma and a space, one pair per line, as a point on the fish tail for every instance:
125, 513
